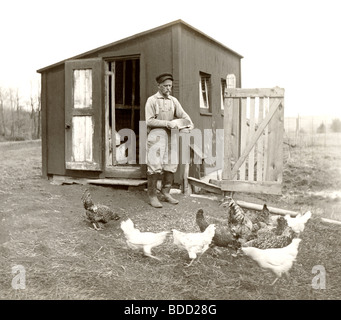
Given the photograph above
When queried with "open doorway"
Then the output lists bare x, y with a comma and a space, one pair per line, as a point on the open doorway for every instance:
122, 113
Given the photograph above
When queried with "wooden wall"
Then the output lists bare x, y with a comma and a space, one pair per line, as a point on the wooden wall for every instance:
55, 120
199, 54
177, 49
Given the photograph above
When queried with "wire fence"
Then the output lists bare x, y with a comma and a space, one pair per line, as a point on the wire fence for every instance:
311, 131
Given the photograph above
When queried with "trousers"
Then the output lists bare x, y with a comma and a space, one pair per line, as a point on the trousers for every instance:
162, 151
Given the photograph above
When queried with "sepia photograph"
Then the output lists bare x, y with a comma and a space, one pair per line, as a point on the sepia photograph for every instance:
187, 153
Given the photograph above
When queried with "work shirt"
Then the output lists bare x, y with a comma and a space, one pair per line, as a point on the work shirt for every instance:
159, 110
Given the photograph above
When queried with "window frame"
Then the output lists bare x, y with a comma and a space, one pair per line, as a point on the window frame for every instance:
205, 94
230, 83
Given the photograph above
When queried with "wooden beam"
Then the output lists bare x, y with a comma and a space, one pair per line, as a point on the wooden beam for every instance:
118, 182
331, 221
228, 139
265, 187
201, 184
59, 180
259, 207
253, 93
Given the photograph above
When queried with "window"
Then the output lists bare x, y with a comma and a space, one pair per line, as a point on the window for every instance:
222, 89
229, 83
205, 91
82, 88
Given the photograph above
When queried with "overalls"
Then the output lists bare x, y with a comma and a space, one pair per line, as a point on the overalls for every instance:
160, 144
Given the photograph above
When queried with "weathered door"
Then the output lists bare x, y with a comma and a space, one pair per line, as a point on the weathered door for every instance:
253, 140
83, 114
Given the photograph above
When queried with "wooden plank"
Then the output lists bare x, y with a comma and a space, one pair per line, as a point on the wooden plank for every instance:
266, 187
107, 136
186, 187
235, 131
280, 133
125, 171
255, 137
113, 114
252, 93
243, 137
260, 145
251, 162
204, 185
275, 150
82, 88
331, 221
83, 165
118, 182
258, 207
124, 82
266, 139
228, 139
82, 142
59, 180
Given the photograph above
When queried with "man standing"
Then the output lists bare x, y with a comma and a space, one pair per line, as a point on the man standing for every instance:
161, 109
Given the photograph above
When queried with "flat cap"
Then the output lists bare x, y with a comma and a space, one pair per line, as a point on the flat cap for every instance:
164, 76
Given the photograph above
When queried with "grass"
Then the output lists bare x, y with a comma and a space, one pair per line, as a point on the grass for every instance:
43, 229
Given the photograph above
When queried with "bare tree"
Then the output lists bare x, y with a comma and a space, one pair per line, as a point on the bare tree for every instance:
39, 113
35, 106
12, 110
19, 123
2, 114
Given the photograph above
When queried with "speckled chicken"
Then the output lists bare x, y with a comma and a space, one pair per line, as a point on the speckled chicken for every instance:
260, 219
97, 213
279, 237
241, 225
245, 225
223, 236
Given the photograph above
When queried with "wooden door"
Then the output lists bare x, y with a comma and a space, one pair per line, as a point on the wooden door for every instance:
83, 114
253, 140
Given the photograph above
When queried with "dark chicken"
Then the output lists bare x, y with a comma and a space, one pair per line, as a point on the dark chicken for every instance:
223, 236
97, 213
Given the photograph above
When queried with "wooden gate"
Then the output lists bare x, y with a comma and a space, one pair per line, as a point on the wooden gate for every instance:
253, 140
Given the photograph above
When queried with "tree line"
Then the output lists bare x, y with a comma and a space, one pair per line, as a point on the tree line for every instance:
335, 126
19, 117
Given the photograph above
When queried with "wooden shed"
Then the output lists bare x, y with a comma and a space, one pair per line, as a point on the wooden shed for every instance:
87, 99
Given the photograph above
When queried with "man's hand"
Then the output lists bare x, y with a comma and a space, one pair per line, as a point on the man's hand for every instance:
171, 125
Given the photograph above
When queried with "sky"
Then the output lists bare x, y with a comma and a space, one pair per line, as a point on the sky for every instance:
293, 44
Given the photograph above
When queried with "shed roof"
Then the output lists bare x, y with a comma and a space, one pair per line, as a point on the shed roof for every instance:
134, 37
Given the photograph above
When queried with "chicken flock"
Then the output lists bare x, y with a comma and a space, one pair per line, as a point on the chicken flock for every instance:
272, 242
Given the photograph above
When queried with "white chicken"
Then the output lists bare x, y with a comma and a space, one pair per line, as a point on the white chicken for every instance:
298, 223
195, 243
278, 260
142, 240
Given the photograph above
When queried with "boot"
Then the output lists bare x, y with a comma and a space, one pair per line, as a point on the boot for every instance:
167, 182
153, 200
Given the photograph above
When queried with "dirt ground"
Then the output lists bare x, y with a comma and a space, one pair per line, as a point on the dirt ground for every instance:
43, 229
